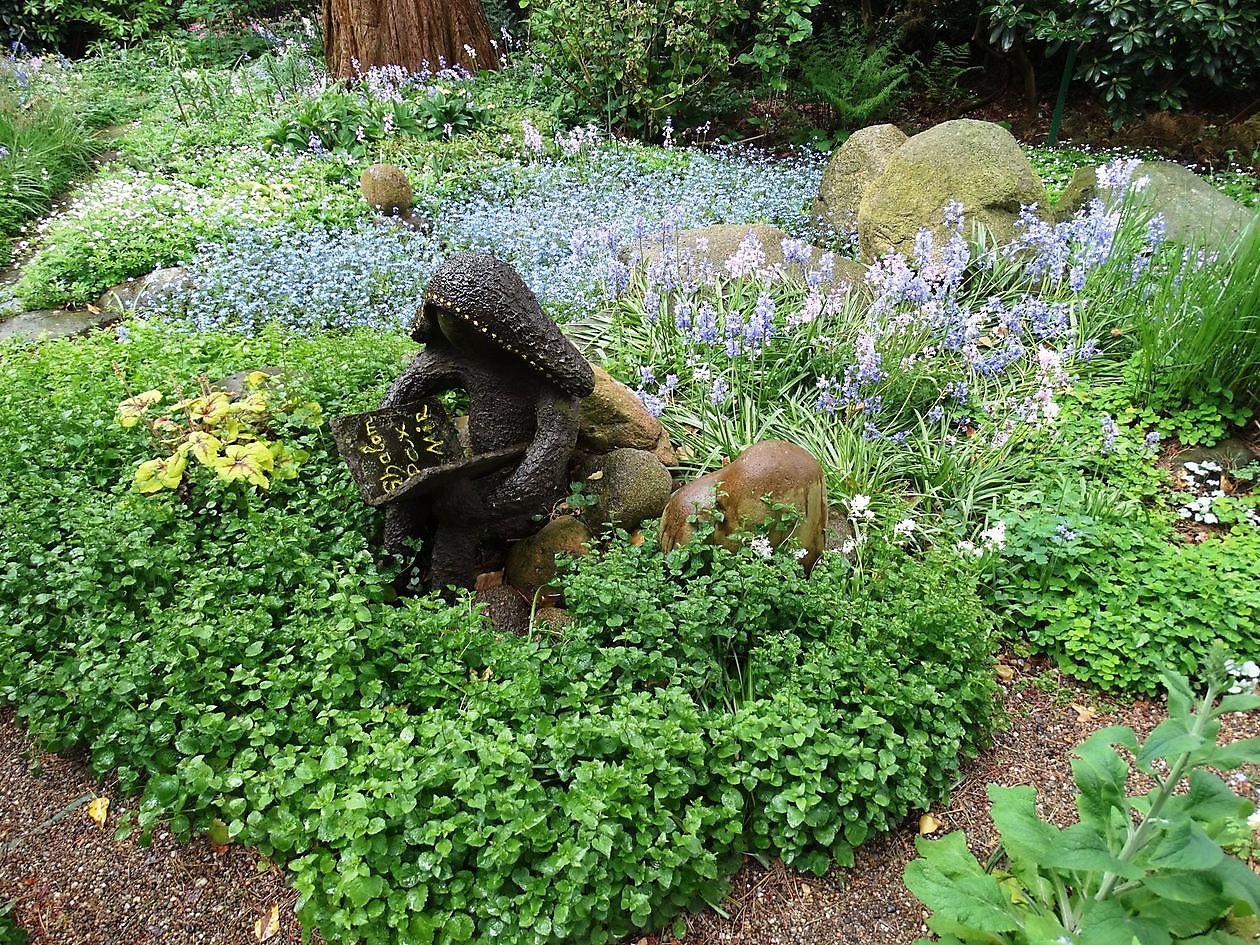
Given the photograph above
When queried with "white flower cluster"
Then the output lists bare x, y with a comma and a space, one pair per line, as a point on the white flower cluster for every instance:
860, 508
1246, 676
992, 538
1206, 479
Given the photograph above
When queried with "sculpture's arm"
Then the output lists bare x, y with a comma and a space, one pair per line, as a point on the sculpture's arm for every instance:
547, 458
430, 373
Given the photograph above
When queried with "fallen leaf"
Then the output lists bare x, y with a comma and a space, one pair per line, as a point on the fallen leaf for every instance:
93, 309
637, 538
1117, 332
596, 475
1084, 713
1005, 673
268, 926
929, 825
1227, 484
98, 810
984, 341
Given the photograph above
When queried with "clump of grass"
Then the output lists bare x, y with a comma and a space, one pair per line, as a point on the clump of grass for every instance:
43, 146
1200, 323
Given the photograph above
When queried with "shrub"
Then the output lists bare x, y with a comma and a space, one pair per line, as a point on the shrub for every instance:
231, 651
1140, 55
632, 66
71, 24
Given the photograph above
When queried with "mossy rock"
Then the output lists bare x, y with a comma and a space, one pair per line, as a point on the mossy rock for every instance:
977, 163
1194, 212
387, 189
852, 168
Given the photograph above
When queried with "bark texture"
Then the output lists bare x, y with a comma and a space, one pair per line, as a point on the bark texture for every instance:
407, 33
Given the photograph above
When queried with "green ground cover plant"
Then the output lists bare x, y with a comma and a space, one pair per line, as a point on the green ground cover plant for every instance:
469, 784
50, 113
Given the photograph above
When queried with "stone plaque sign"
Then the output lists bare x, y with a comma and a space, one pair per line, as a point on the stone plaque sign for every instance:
412, 449
386, 448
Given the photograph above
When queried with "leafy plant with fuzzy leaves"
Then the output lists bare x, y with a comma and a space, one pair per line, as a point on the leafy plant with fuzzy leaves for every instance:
1147, 868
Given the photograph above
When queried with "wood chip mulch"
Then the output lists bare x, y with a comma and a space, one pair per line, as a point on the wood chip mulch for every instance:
71, 883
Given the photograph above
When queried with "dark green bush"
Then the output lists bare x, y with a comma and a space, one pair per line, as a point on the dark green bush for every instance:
69, 25
427, 778
630, 66
1141, 54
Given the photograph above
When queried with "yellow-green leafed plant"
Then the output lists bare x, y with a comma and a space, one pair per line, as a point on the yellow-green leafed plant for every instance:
233, 435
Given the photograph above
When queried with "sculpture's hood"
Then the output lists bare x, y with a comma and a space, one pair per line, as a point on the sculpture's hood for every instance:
487, 295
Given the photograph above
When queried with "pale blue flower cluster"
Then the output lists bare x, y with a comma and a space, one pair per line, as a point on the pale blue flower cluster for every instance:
308, 280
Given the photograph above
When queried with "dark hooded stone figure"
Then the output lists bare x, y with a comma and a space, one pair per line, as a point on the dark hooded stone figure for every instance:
485, 333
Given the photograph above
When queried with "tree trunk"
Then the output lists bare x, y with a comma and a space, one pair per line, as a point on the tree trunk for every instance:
360, 34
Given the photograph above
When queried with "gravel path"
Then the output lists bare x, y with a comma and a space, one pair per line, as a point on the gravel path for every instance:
72, 884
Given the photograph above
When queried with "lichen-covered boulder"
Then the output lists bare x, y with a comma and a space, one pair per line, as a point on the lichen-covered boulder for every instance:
1194, 212
531, 562
977, 163
613, 417
853, 167
784, 472
386, 188
628, 486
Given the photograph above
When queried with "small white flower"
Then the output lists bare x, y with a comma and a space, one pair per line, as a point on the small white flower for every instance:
1254, 820
761, 545
800, 553
905, 528
860, 507
994, 536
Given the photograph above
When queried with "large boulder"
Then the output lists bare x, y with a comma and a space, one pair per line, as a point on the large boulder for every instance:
853, 167
531, 562
628, 486
613, 417
783, 472
1194, 211
977, 163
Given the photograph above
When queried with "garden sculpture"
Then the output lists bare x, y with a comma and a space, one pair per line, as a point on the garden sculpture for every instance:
484, 333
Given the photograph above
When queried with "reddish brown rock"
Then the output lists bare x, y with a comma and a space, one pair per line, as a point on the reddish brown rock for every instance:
782, 473
613, 417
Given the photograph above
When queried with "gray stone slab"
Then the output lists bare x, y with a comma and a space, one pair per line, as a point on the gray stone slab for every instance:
54, 323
